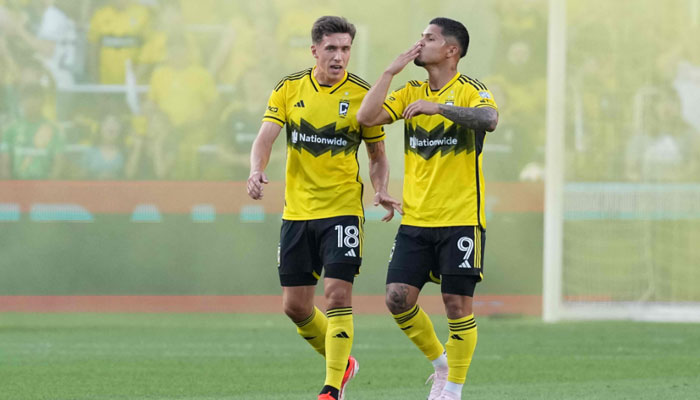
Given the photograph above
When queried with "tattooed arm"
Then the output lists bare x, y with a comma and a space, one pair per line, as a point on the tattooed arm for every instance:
483, 118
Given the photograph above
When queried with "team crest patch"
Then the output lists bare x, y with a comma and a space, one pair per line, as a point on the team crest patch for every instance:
343, 108
485, 95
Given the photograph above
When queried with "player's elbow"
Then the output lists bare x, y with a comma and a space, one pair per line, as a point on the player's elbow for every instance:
368, 118
492, 122
362, 117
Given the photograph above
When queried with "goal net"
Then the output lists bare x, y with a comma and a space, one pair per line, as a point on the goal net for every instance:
622, 208
631, 251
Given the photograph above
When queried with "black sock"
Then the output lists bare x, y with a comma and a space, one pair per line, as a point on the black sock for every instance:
333, 391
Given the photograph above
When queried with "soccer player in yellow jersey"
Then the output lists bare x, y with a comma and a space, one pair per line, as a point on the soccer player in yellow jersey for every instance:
323, 213
441, 237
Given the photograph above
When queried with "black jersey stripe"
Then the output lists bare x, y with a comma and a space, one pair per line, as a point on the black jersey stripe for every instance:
359, 83
292, 77
477, 153
311, 79
392, 110
471, 83
475, 83
339, 86
479, 82
484, 105
350, 74
373, 137
362, 186
275, 118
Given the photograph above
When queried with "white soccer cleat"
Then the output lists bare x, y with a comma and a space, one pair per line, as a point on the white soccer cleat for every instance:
449, 396
439, 379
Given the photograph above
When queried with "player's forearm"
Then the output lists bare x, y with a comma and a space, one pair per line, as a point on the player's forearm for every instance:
260, 154
484, 118
379, 174
378, 166
262, 146
371, 107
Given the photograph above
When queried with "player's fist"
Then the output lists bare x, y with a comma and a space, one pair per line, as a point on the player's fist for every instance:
255, 184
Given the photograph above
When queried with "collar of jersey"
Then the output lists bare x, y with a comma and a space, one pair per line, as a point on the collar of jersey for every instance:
320, 88
430, 93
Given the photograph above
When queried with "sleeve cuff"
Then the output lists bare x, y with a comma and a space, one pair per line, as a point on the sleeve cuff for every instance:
374, 139
391, 112
278, 121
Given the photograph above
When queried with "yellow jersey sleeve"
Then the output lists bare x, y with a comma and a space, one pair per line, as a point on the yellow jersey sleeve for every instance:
277, 105
373, 134
396, 102
481, 98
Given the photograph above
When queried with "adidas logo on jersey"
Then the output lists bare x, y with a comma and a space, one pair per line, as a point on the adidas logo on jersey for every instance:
351, 253
300, 103
342, 335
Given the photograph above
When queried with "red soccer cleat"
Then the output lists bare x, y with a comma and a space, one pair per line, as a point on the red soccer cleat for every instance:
350, 372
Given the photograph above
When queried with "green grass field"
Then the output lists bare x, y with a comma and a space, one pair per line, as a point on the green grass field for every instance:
243, 356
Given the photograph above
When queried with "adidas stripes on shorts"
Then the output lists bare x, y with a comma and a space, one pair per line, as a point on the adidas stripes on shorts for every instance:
306, 247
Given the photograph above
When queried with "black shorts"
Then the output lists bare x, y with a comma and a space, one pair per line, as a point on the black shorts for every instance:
306, 247
452, 256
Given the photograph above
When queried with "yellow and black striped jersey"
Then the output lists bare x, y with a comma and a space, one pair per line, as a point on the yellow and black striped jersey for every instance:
323, 136
443, 182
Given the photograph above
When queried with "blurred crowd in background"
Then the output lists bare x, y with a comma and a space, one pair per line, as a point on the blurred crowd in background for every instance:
175, 89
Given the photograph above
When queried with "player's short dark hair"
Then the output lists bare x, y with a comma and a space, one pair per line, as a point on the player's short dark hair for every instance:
328, 25
454, 29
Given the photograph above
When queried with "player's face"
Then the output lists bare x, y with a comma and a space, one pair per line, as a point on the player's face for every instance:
435, 47
332, 55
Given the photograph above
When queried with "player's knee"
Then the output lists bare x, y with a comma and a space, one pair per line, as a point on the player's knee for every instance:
457, 306
338, 299
397, 301
296, 311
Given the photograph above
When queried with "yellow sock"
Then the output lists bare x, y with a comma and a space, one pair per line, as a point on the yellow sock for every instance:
460, 347
338, 344
416, 324
313, 330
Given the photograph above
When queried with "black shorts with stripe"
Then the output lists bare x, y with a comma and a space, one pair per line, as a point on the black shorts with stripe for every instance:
306, 247
439, 255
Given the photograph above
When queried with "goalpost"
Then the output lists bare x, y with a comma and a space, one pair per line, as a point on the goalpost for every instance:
612, 250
